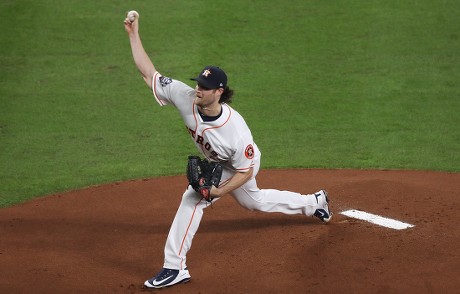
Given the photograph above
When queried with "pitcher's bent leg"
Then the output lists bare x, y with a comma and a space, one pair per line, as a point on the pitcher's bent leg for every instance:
271, 200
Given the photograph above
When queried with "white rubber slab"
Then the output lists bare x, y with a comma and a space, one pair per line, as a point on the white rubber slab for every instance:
377, 219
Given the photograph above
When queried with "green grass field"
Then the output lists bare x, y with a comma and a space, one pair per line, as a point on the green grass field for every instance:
322, 84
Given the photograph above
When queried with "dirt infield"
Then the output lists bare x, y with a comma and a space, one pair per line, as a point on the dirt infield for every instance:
110, 238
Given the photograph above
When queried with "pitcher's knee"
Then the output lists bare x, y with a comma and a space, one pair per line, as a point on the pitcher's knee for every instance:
250, 203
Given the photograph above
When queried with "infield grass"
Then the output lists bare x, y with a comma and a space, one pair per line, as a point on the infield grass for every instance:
322, 84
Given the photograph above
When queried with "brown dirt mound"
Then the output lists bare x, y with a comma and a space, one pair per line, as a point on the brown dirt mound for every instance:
110, 238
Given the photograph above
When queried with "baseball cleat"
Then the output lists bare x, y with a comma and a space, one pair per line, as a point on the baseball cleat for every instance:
322, 212
168, 277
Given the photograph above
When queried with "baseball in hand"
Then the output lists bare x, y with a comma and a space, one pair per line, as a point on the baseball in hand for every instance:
132, 15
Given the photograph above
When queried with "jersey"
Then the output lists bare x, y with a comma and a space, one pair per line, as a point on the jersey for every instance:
227, 139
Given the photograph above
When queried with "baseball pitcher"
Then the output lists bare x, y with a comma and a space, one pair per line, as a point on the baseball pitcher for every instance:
228, 163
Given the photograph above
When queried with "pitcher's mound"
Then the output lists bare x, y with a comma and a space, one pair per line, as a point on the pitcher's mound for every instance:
110, 238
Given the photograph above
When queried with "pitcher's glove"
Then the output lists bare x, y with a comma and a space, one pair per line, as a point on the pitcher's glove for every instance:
202, 175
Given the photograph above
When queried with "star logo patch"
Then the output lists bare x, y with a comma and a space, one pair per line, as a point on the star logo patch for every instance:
249, 152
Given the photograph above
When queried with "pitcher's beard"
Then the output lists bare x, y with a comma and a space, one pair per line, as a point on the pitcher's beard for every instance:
200, 104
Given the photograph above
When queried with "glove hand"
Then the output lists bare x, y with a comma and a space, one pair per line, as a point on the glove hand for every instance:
204, 176
209, 192
205, 192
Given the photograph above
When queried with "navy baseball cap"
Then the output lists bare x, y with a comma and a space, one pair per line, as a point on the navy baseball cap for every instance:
212, 77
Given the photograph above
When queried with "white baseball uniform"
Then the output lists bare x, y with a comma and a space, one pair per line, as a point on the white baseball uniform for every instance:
229, 141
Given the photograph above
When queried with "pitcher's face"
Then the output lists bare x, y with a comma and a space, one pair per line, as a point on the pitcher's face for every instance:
206, 97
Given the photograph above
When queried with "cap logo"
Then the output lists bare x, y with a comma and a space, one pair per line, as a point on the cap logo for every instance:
206, 73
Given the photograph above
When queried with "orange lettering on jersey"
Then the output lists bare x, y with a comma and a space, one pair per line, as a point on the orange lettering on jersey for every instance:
206, 145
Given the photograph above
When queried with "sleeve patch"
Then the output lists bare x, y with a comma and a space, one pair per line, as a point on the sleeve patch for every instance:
249, 152
164, 81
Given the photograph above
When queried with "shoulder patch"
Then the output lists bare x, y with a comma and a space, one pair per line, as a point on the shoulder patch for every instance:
164, 81
249, 152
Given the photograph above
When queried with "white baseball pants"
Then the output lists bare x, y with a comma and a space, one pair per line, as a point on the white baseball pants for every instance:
190, 212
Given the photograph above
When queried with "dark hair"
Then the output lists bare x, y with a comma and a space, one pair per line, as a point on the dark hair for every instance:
226, 96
